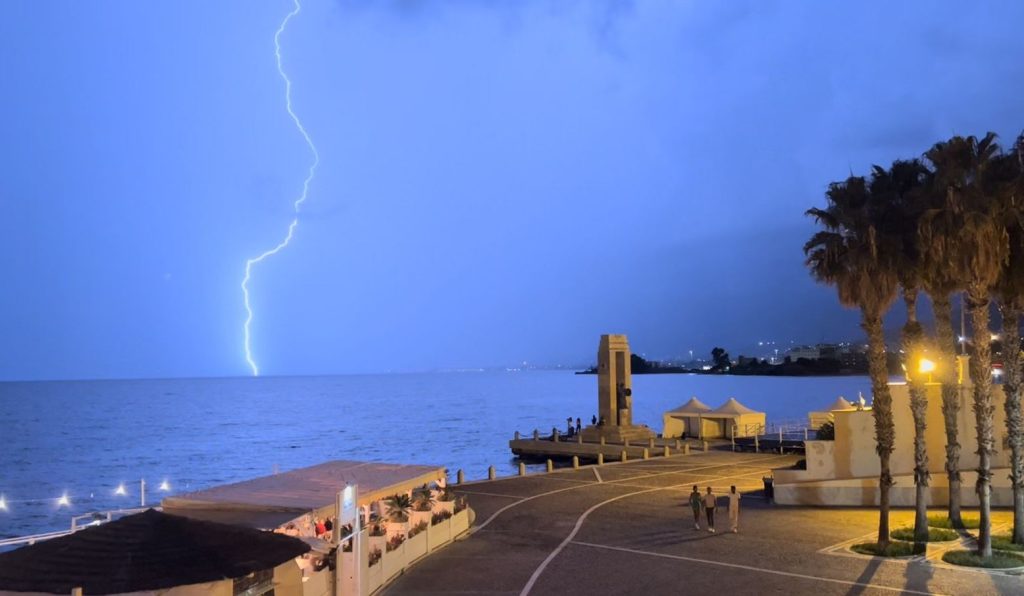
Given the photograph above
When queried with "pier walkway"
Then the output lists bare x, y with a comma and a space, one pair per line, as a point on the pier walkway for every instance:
625, 528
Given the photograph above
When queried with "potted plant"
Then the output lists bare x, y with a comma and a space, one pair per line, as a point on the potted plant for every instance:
439, 517
395, 541
377, 536
374, 556
446, 500
422, 505
397, 511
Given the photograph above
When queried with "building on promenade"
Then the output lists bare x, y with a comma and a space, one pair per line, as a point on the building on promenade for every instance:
844, 471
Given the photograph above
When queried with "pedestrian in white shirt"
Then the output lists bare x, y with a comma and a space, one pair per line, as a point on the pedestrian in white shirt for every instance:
709, 509
734, 509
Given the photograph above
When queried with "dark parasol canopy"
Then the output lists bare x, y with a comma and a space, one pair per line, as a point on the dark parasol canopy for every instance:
145, 551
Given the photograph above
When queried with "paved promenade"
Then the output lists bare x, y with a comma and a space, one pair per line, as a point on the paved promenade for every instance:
626, 529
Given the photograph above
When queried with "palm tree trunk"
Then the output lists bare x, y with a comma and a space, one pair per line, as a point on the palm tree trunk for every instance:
981, 377
946, 337
882, 412
913, 336
1014, 417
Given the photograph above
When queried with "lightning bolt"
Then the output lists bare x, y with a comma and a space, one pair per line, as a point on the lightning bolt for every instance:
295, 206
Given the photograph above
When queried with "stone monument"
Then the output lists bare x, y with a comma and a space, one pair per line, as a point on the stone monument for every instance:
615, 395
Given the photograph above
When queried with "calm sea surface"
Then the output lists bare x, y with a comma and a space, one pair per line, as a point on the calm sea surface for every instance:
86, 438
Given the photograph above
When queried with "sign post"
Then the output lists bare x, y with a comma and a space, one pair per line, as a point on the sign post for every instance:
347, 566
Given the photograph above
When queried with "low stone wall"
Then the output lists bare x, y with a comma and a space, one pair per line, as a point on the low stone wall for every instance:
800, 487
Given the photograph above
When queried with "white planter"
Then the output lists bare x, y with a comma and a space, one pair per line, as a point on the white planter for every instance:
393, 562
375, 577
416, 546
439, 535
393, 528
373, 542
448, 506
460, 522
416, 517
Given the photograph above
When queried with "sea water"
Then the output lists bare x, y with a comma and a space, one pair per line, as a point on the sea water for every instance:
85, 438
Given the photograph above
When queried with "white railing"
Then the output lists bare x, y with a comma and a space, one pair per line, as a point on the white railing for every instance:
95, 518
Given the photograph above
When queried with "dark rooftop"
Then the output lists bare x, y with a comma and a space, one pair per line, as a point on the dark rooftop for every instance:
145, 551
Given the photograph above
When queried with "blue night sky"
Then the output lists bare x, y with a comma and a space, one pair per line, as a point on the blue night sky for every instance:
499, 181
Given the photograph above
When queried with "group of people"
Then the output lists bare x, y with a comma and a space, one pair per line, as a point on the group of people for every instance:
323, 527
708, 501
579, 425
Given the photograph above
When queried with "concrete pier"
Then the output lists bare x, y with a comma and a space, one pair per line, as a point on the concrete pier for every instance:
541, 449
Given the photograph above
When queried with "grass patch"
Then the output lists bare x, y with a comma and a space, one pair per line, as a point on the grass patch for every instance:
942, 521
895, 549
934, 534
1002, 542
969, 558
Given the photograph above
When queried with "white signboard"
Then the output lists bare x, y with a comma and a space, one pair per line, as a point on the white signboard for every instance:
347, 564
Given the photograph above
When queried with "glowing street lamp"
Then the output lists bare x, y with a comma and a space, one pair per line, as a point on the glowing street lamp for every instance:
120, 491
165, 486
3, 503
926, 366
63, 501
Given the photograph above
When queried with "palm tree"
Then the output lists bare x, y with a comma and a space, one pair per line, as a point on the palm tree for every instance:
941, 282
846, 254
398, 507
900, 192
1010, 290
976, 250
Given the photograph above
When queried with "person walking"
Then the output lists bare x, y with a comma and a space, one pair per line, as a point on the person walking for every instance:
696, 503
734, 509
709, 509
579, 425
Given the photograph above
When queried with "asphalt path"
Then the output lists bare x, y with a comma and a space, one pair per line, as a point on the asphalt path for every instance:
626, 528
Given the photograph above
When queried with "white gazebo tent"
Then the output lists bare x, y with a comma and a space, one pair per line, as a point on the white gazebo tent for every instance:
719, 423
685, 418
818, 418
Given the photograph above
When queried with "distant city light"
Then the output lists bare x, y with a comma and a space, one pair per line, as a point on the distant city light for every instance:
63, 501
165, 486
120, 490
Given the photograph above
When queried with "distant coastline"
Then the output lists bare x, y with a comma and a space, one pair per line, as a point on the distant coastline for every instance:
802, 367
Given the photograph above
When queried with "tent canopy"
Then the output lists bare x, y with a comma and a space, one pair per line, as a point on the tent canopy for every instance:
839, 404
692, 407
144, 552
730, 409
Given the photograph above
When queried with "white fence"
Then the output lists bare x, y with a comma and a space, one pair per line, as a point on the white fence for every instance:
392, 563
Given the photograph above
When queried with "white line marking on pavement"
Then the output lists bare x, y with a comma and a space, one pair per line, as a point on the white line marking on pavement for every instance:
597, 474
475, 492
583, 517
757, 569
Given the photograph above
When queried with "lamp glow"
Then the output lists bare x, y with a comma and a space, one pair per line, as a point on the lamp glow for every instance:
3, 503
120, 490
165, 486
63, 501
925, 366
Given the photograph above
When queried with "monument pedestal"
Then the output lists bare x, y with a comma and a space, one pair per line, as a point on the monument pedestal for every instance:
617, 434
